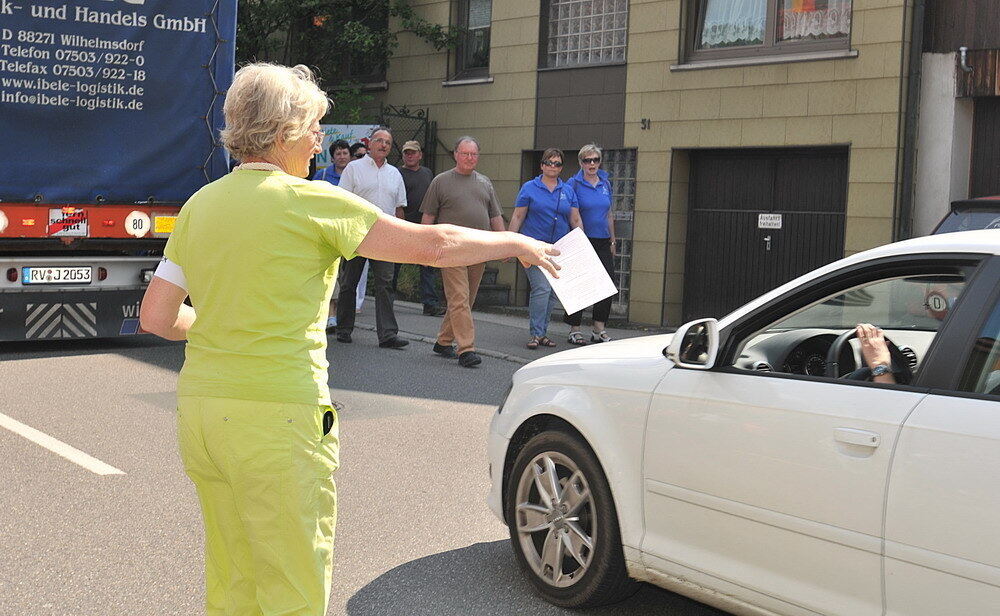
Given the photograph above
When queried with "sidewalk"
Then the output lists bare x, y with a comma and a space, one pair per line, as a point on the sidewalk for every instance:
497, 335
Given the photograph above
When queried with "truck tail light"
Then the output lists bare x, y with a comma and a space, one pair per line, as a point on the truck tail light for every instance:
102, 273
109, 223
27, 222
12, 274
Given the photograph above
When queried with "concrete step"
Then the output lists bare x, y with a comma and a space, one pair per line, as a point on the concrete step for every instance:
492, 295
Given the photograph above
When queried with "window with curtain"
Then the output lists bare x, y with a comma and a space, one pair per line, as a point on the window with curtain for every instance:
473, 53
812, 20
731, 28
729, 23
583, 32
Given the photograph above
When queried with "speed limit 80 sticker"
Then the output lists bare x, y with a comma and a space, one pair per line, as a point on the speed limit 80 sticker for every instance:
137, 223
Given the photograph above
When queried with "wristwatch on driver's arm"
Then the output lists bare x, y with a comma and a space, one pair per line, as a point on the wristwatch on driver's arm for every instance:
881, 369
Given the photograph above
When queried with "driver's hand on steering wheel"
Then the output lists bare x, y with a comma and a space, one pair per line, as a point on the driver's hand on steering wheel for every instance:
874, 350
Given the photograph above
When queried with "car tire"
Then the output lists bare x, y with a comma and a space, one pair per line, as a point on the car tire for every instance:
571, 550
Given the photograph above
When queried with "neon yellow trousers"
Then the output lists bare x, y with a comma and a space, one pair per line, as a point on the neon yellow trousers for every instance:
264, 476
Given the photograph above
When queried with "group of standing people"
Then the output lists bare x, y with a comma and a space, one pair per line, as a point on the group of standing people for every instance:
461, 196
257, 430
546, 209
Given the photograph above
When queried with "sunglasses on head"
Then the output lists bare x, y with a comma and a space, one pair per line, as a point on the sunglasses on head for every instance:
591, 161
552, 163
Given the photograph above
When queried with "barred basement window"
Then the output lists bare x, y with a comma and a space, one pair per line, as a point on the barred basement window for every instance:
584, 32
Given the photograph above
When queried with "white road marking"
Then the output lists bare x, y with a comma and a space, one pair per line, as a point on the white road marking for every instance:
72, 454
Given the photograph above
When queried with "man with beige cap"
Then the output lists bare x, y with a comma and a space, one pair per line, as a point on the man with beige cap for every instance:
416, 179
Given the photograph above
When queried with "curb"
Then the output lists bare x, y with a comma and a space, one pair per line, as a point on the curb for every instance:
418, 338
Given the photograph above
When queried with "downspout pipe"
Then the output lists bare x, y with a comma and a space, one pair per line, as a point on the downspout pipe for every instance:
904, 213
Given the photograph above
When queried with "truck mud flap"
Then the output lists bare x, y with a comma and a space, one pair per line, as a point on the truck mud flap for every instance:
81, 314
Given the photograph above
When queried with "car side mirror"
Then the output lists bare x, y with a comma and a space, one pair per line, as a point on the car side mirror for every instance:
695, 345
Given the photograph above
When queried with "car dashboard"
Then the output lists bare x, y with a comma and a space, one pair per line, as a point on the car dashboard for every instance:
804, 351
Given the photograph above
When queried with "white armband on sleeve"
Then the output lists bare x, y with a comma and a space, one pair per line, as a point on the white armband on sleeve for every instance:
171, 272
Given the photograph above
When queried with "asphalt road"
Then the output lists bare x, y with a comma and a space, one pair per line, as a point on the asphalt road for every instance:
414, 535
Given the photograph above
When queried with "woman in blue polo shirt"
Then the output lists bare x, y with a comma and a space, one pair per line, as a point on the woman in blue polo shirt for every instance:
545, 210
593, 195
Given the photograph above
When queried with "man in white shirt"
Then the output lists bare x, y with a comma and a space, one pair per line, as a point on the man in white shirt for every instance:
372, 178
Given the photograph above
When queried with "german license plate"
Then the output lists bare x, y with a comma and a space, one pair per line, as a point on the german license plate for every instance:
56, 275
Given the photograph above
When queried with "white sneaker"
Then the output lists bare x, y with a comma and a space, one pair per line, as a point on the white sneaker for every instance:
601, 336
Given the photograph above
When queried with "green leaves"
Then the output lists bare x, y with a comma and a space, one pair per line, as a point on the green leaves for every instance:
348, 43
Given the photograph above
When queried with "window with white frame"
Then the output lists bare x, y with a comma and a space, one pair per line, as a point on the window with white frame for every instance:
733, 28
585, 32
473, 53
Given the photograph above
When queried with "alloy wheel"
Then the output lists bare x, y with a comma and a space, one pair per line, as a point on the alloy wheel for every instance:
555, 519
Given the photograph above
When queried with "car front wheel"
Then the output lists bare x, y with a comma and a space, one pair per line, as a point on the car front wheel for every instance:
563, 523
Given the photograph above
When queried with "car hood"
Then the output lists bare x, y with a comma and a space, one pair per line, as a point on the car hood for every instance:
642, 347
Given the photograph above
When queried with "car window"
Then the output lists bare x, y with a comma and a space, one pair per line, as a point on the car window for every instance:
969, 220
914, 302
982, 370
910, 310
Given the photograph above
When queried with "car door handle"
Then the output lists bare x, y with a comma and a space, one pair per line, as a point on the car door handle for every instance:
853, 436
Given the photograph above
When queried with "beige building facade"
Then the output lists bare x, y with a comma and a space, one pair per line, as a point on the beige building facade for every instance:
772, 146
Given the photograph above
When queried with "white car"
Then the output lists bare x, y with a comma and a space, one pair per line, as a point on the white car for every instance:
734, 463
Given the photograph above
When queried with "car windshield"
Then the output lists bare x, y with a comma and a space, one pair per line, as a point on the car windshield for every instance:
970, 220
911, 303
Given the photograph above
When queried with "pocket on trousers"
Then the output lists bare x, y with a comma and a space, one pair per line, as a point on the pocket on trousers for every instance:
189, 442
260, 443
327, 453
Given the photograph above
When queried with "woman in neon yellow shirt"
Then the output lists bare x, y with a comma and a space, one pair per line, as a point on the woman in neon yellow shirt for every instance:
257, 252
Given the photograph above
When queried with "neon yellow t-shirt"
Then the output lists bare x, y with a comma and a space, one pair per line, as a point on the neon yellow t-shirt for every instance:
259, 250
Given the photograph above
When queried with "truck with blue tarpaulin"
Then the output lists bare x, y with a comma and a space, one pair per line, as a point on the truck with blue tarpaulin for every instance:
110, 112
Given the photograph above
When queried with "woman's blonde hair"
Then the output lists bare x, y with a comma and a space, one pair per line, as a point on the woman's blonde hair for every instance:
268, 101
590, 148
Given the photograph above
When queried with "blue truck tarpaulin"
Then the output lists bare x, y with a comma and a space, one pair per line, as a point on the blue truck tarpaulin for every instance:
112, 101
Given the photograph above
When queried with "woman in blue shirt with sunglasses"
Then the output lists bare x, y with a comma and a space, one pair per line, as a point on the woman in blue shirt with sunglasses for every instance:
594, 198
545, 209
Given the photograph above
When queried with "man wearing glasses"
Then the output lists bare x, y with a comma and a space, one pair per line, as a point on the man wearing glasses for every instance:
462, 196
380, 183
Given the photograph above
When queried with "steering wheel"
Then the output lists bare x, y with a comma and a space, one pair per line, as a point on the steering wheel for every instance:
900, 365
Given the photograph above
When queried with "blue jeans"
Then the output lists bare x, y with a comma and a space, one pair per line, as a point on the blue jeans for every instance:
541, 301
428, 289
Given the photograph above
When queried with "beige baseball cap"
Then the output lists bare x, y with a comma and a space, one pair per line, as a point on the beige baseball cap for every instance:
411, 145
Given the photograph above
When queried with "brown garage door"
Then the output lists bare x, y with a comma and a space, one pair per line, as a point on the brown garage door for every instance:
758, 218
984, 178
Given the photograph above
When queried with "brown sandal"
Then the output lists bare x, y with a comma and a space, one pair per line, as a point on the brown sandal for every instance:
544, 341
533, 343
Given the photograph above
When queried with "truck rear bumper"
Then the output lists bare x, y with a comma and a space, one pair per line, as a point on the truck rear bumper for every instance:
80, 313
